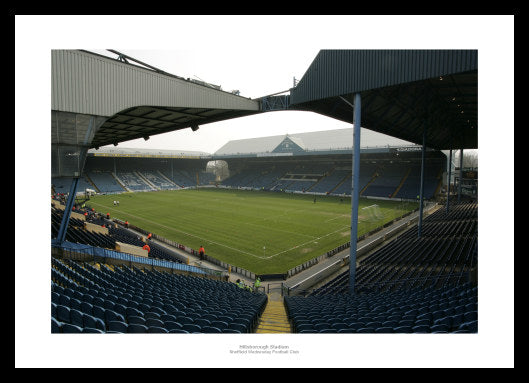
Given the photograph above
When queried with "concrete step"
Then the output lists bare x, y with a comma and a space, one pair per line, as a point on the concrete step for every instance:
274, 319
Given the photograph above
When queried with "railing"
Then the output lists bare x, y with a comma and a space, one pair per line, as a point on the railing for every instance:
94, 254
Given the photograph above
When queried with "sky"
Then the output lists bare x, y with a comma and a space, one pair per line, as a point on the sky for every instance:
259, 55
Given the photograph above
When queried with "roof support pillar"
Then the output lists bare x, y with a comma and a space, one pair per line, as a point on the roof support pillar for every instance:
449, 178
67, 211
421, 192
460, 175
354, 190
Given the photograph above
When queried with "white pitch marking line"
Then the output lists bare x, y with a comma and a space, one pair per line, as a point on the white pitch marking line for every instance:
229, 247
295, 247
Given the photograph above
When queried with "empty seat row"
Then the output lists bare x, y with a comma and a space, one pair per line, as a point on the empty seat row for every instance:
152, 299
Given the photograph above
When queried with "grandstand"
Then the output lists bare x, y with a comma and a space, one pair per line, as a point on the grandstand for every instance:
320, 163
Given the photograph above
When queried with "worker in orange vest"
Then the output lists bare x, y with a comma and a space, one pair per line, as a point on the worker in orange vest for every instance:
201, 252
146, 247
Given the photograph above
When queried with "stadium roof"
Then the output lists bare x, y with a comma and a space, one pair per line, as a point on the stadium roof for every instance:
135, 152
329, 140
132, 101
402, 91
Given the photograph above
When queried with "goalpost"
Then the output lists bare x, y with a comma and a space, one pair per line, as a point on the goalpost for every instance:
372, 213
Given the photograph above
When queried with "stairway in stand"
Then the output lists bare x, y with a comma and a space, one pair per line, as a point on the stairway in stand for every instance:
274, 319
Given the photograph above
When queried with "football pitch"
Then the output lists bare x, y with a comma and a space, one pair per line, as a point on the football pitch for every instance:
263, 232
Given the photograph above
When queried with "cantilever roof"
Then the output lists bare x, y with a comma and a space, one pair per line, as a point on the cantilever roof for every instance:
402, 91
311, 141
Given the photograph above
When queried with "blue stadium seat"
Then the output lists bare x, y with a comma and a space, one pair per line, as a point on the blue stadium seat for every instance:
151, 315
154, 322
93, 322
339, 326
64, 300
459, 309
86, 308
157, 310
406, 322
390, 323
68, 328
56, 298
470, 316
471, 326
370, 330
131, 311
473, 306
202, 322
168, 317
55, 326
444, 321
422, 322
456, 320
321, 326
75, 304
76, 317
384, 330
191, 328
439, 327
374, 324
90, 330
207, 329
225, 318
421, 329
120, 309
98, 312
184, 320
111, 315
88, 298
438, 315
118, 326
230, 331
425, 316
403, 329
210, 317
98, 301
63, 313
68, 292
242, 327
137, 329
133, 319
144, 307
157, 330
303, 326
109, 304
178, 331
170, 325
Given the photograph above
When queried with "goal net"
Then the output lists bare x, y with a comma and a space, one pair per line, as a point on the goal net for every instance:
372, 213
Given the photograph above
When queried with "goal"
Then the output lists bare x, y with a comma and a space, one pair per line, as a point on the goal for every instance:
372, 213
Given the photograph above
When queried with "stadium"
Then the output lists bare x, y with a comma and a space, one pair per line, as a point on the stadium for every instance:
275, 214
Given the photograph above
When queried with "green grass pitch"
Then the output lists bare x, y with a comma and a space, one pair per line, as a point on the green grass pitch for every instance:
263, 232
